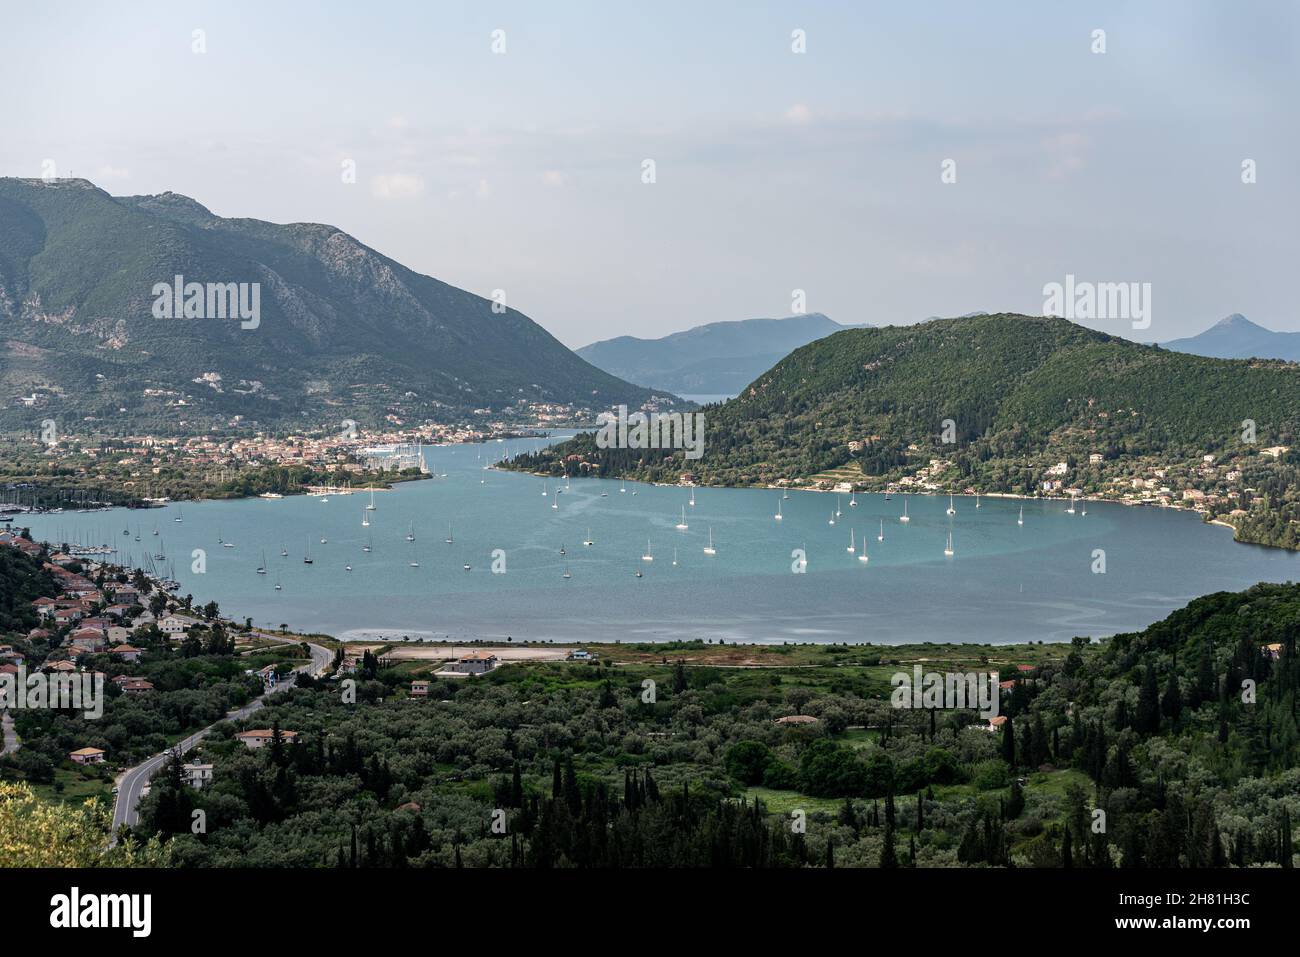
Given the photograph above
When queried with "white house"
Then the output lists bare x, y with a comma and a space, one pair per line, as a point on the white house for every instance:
197, 775
174, 626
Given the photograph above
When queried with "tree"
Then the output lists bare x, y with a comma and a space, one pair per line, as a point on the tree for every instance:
1171, 704
1147, 719
1009, 742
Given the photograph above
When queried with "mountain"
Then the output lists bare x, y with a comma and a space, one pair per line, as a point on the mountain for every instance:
1236, 337
719, 358
1022, 393
342, 332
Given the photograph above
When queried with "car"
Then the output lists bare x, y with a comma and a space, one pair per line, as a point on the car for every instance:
115, 789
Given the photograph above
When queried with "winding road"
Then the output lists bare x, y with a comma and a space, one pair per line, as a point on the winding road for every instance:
132, 782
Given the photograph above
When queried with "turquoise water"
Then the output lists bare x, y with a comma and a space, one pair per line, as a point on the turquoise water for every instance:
1004, 583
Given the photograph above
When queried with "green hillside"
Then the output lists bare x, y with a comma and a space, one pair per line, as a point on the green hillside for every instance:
344, 332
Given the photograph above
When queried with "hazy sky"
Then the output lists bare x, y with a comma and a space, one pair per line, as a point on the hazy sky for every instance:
775, 170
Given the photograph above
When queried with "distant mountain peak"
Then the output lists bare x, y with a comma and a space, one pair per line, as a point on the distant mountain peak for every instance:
1235, 319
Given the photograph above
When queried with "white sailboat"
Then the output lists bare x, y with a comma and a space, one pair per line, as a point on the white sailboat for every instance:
904, 518
347, 568
837, 506
623, 487
777, 516
692, 498
977, 499
371, 506
831, 520
674, 556
284, 552
555, 499
566, 572
1070, 510
1021, 519
410, 533
881, 536
324, 540
277, 584
365, 519
852, 545
1084, 507
853, 500
588, 540
179, 515
367, 545
546, 492
862, 556
682, 526
947, 550
648, 556
951, 510
306, 554
449, 535
261, 569
709, 549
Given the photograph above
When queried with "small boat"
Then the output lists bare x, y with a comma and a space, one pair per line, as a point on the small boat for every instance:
1084, 507
566, 572
604, 495
323, 540
155, 531
786, 495
977, 499
365, 519
347, 568
709, 549
638, 573
465, 566
682, 526
277, 586
562, 553
862, 556
178, 517
881, 536
692, 498
1021, 519
366, 546
371, 506
948, 548
837, 506
546, 492
904, 518
832, 519
853, 500
410, 533
261, 569
951, 510
588, 540
777, 516
674, 556
852, 545
555, 500
648, 556
623, 487
1070, 510
449, 538
306, 555
284, 552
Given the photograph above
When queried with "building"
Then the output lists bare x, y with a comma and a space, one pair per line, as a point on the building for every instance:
128, 652
475, 663
174, 626
197, 775
261, 737
419, 689
88, 756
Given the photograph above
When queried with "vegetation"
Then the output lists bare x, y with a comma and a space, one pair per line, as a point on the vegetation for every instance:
1175, 746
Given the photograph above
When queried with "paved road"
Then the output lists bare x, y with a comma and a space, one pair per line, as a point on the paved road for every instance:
131, 784
12, 743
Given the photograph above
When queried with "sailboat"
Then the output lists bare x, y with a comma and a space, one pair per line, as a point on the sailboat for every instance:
951, 510
449, 536
777, 516
306, 555
414, 562
881, 536
692, 498
562, 552
1070, 510
853, 500
347, 568
904, 518
179, 515
284, 552
837, 506
410, 534
566, 572
648, 556
155, 531
674, 556
1084, 507
709, 549
1021, 519
365, 519
852, 545
261, 569
682, 526
555, 499
588, 540
546, 491
277, 584
366, 546
324, 540
623, 487
977, 499
786, 495
371, 506
831, 521
862, 557
948, 548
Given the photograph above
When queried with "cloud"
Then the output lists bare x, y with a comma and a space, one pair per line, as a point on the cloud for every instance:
397, 186
799, 113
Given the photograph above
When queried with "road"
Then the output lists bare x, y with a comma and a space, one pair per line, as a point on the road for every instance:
10, 735
132, 782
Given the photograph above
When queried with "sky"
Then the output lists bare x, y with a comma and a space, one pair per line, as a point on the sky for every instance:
522, 168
